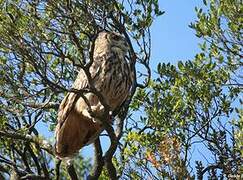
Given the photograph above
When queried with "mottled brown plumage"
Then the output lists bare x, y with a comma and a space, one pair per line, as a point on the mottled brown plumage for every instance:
111, 75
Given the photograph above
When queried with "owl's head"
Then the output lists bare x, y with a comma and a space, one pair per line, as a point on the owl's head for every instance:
111, 41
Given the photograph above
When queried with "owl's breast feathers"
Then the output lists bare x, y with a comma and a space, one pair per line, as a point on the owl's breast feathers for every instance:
114, 80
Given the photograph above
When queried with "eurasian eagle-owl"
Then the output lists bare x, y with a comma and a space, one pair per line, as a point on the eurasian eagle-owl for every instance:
112, 77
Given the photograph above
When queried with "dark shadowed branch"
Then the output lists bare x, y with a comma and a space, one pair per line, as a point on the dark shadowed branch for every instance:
71, 171
57, 169
98, 161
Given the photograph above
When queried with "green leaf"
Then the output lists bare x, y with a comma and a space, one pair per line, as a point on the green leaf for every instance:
181, 66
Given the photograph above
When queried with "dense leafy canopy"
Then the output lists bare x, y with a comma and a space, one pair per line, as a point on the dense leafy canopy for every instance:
195, 105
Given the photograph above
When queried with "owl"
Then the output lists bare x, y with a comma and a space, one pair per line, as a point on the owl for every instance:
111, 75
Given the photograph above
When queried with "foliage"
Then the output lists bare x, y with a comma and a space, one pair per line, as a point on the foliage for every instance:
43, 44
184, 106
195, 105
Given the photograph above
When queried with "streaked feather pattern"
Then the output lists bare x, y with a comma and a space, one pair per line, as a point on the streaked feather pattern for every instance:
112, 76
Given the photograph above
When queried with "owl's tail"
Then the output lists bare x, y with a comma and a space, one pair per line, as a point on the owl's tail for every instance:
74, 133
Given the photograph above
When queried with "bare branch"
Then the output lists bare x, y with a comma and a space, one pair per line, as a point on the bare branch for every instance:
57, 169
33, 176
28, 138
72, 172
98, 163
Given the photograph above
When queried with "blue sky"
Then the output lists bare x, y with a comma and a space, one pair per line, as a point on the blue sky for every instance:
172, 39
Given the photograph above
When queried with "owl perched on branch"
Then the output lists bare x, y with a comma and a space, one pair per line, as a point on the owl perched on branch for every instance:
111, 76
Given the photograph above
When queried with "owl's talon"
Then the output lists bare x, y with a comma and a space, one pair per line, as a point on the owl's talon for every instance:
86, 113
110, 117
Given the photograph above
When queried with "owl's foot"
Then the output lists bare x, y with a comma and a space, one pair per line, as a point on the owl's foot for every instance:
97, 110
110, 117
87, 114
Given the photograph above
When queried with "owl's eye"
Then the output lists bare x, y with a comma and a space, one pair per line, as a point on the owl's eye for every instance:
116, 37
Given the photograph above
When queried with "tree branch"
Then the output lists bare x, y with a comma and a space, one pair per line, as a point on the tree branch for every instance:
57, 169
98, 163
72, 173
28, 138
33, 177
211, 167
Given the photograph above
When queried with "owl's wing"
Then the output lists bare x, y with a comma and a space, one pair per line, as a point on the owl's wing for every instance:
81, 82
73, 129
69, 100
